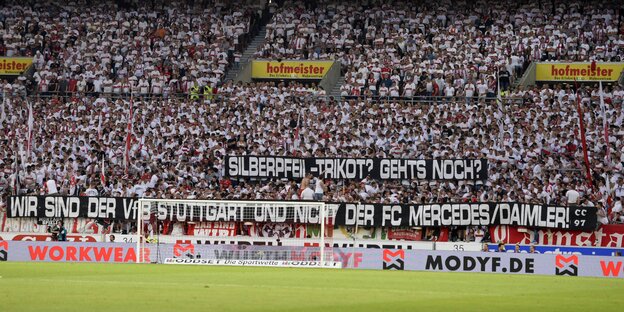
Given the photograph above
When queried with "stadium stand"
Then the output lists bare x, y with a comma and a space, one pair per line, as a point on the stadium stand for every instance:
444, 48
148, 50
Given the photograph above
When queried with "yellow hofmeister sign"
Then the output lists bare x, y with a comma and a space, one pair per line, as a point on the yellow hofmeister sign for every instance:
290, 69
14, 65
578, 71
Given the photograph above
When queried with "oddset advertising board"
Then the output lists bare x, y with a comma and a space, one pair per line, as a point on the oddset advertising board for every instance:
264, 69
355, 258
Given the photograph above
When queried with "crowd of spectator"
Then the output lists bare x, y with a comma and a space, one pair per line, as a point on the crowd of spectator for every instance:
177, 145
122, 47
445, 48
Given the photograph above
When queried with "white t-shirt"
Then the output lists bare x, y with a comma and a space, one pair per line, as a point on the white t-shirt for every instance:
478, 235
572, 196
91, 192
97, 86
307, 194
318, 189
619, 190
52, 188
409, 89
450, 91
482, 88
470, 88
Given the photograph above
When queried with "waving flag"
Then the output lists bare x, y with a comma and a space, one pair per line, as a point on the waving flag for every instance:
590, 183
297, 138
74, 118
31, 124
99, 129
499, 102
103, 174
128, 136
3, 110
605, 127
72, 183
605, 124
16, 170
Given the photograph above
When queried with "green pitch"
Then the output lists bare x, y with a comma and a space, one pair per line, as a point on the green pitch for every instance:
128, 287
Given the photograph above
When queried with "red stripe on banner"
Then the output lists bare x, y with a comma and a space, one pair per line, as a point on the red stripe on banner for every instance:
610, 236
583, 139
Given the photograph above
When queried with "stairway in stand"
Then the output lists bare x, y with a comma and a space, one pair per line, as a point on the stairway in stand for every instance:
335, 91
257, 41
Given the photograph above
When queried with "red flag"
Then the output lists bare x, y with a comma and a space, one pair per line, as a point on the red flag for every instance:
31, 124
128, 136
583, 140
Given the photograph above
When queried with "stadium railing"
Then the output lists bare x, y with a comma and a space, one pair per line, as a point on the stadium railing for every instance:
217, 97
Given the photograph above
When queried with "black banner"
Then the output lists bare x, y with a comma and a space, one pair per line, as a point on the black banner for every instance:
468, 214
120, 208
349, 214
356, 168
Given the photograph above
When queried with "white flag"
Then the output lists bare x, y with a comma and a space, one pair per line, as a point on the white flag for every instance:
605, 124
128, 135
99, 128
16, 168
499, 102
103, 174
605, 128
2, 109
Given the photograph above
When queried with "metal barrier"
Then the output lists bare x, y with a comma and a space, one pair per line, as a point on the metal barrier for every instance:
219, 97
433, 99
528, 78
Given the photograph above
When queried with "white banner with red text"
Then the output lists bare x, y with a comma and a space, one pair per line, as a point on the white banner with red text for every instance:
356, 258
